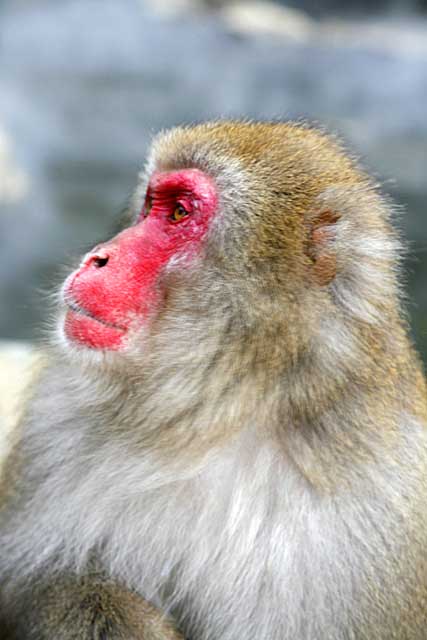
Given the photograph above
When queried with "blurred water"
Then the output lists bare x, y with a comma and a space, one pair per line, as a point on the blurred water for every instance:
85, 83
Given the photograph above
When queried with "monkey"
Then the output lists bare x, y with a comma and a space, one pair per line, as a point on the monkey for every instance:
231, 430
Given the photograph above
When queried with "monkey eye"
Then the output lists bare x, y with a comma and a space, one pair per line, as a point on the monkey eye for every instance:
178, 214
147, 206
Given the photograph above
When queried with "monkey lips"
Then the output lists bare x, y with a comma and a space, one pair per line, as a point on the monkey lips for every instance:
80, 326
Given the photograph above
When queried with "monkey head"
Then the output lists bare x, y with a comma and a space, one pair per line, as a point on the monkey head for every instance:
253, 220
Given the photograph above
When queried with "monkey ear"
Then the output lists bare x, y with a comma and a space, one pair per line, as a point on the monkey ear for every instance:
320, 241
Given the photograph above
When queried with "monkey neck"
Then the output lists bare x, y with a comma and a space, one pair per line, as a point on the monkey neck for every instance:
317, 394
214, 375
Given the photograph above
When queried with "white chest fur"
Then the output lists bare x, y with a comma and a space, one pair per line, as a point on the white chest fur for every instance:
240, 546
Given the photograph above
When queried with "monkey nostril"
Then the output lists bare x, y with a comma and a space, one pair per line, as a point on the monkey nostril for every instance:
97, 258
99, 261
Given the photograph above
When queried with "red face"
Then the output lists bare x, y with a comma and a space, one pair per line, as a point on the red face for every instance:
116, 286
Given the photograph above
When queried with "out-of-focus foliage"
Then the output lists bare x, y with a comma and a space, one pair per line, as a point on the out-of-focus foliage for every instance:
85, 83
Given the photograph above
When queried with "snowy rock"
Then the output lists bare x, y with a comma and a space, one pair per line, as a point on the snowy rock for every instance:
267, 18
18, 363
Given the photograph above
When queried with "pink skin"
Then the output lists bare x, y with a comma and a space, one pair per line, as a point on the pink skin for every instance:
117, 281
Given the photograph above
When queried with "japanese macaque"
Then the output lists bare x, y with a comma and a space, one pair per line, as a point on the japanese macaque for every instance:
232, 426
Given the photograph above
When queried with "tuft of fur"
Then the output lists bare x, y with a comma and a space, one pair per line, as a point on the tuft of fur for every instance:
255, 461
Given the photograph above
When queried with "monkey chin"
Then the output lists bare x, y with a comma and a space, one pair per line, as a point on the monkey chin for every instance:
88, 358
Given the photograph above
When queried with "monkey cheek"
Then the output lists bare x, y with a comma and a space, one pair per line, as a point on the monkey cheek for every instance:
91, 333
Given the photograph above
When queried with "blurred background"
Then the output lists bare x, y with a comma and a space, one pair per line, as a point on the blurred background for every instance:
84, 84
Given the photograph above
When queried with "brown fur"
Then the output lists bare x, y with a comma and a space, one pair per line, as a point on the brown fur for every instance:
88, 607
